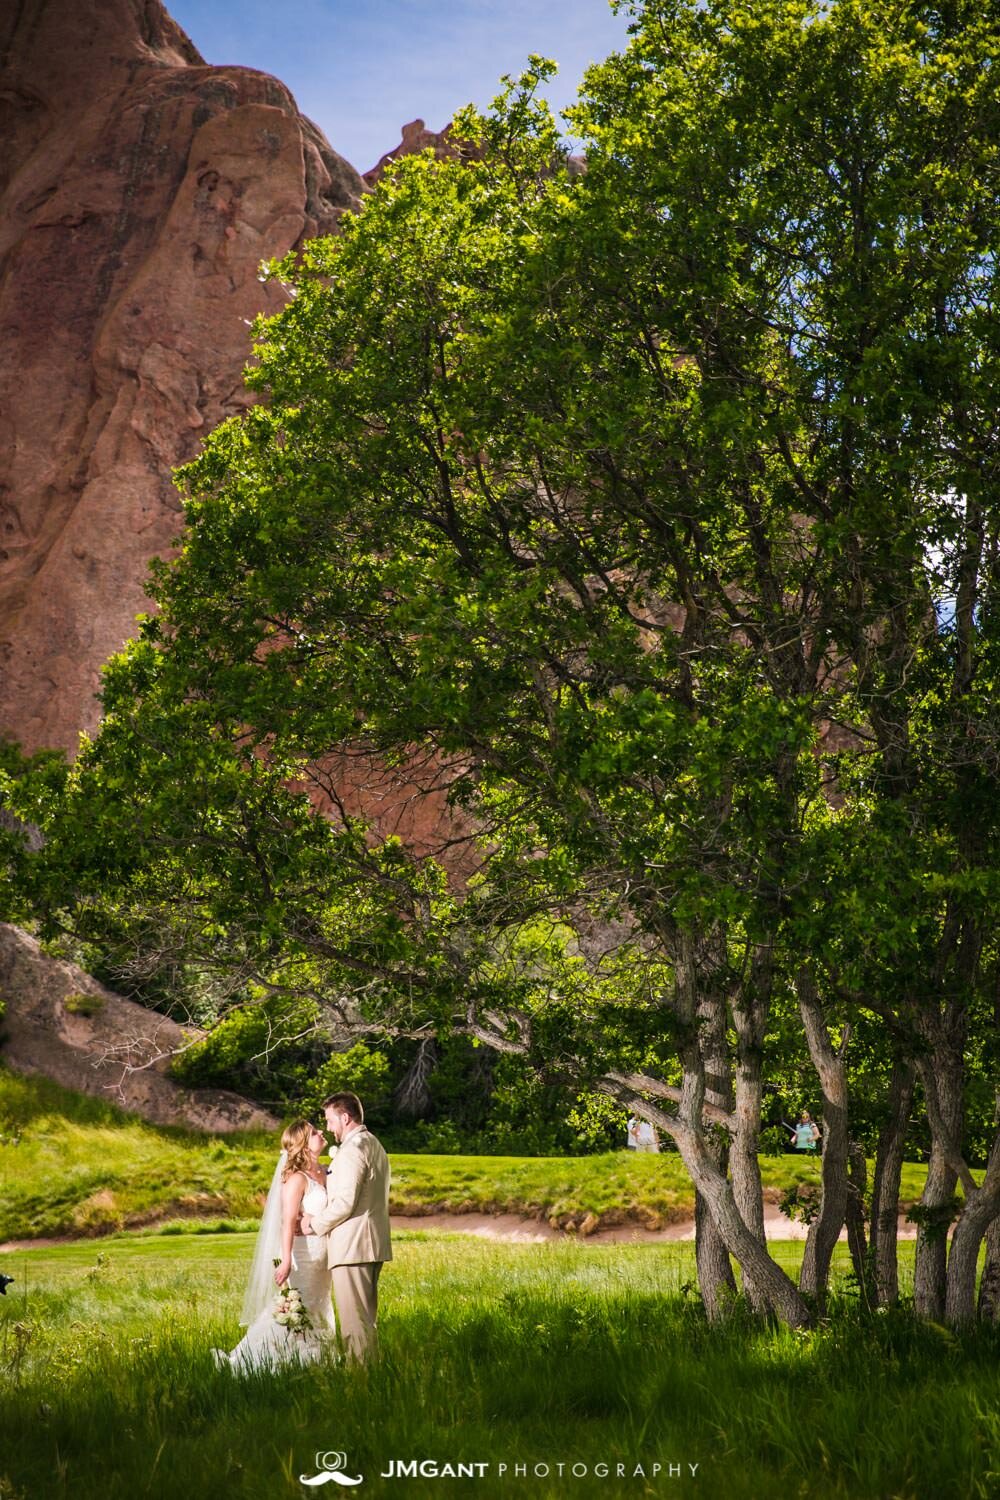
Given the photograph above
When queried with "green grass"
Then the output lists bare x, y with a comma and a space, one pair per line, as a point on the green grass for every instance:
533, 1354
81, 1167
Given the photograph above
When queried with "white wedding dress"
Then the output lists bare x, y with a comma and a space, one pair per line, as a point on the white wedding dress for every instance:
268, 1345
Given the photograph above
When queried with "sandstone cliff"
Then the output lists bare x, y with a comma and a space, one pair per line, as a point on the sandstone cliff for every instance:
139, 191
415, 137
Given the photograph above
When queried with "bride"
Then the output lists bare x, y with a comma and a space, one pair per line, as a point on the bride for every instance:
281, 1255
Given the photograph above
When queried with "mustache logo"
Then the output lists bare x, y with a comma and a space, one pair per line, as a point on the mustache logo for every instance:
330, 1466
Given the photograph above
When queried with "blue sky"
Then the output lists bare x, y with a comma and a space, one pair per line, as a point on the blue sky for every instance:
361, 68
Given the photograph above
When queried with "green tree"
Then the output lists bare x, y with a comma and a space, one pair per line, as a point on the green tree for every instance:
622, 507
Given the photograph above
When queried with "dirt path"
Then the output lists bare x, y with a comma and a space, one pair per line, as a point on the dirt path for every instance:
519, 1229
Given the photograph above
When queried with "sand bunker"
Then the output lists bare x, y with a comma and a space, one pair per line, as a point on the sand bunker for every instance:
519, 1229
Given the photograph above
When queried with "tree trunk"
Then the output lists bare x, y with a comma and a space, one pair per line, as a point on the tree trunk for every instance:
687, 1129
981, 1208
883, 1251
824, 1231
716, 1281
857, 1183
829, 1064
710, 1181
750, 1255
989, 1287
963, 1260
930, 1261
744, 1156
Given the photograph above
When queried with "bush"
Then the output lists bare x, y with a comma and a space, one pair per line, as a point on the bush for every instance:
529, 1116
256, 1049
84, 1005
438, 1138
274, 1051
474, 1102
359, 1070
773, 1141
802, 1201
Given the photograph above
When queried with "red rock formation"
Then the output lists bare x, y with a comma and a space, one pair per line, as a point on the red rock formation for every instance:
61, 1023
416, 137
139, 191
408, 801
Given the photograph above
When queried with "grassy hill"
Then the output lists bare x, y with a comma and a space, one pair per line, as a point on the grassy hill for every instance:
74, 1165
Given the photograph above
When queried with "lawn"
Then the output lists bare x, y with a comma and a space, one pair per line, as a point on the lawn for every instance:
525, 1355
81, 1167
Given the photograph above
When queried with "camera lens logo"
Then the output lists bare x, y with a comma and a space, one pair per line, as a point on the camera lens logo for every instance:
331, 1466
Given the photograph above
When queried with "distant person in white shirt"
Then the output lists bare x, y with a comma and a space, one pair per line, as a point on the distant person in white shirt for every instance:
642, 1136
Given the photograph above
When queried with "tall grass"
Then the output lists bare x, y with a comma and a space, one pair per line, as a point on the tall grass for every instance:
516, 1354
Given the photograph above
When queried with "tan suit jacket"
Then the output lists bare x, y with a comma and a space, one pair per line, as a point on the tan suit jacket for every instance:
356, 1217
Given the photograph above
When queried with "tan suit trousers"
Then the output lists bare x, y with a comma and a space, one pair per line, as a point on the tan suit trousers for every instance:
355, 1292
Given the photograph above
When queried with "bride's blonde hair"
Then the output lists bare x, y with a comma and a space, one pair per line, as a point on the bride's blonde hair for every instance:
295, 1141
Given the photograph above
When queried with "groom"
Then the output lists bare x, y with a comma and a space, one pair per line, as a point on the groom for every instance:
356, 1219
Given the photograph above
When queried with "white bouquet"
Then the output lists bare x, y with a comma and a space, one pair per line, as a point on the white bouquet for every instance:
289, 1311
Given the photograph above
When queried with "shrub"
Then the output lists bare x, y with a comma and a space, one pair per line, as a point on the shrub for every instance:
84, 1005
802, 1201
773, 1141
255, 1049
362, 1071
439, 1138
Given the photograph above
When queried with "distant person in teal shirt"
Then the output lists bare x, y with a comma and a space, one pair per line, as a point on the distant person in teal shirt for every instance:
805, 1135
